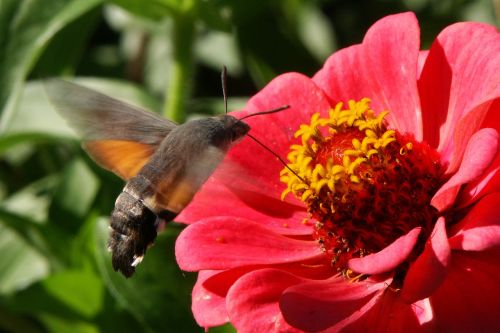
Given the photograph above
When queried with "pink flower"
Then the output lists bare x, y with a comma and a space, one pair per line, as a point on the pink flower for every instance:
390, 221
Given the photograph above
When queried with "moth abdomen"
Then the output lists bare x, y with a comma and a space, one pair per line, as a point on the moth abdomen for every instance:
133, 230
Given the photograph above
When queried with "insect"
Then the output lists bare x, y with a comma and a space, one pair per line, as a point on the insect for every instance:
164, 164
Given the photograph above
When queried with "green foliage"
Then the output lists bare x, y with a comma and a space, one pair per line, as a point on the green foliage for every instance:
164, 55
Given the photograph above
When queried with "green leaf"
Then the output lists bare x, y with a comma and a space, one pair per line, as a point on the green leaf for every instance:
58, 323
260, 70
152, 9
46, 240
33, 200
35, 114
23, 139
269, 41
228, 328
74, 196
70, 299
316, 32
79, 291
27, 26
213, 15
219, 48
13, 322
20, 264
159, 58
158, 294
200, 107
72, 39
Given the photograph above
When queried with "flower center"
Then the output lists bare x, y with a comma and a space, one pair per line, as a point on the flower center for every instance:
365, 185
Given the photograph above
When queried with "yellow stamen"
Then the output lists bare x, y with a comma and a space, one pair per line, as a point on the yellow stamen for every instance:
319, 176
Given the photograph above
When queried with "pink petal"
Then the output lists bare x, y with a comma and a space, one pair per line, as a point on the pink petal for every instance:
465, 128
338, 81
422, 58
467, 301
480, 228
248, 198
489, 181
221, 282
461, 73
318, 305
390, 314
480, 152
224, 243
387, 259
209, 295
428, 272
423, 310
391, 50
209, 308
492, 120
253, 301
211, 290
277, 130
383, 68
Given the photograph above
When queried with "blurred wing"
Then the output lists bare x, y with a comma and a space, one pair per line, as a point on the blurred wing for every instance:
124, 158
176, 190
118, 136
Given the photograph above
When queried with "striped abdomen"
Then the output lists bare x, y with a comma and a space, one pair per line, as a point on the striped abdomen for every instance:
133, 225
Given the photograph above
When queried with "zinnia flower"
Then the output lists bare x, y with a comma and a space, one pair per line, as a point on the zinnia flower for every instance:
387, 217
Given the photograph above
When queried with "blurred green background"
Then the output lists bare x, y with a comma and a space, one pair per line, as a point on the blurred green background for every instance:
166, 55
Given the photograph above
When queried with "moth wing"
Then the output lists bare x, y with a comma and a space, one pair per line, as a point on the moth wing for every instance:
120, 137
124, 158
174, 192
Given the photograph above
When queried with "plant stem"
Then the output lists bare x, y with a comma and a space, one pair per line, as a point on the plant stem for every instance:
178, 89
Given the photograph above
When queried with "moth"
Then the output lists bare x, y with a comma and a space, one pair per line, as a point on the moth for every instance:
163, 163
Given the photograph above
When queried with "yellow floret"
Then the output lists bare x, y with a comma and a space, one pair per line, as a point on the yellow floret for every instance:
316, 177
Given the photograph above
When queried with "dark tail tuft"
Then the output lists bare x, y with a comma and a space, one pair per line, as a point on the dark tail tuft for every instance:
133, 230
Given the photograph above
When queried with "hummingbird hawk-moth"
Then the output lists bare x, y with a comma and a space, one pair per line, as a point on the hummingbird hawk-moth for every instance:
163, 163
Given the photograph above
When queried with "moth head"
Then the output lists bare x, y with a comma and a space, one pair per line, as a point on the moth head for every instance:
236, 127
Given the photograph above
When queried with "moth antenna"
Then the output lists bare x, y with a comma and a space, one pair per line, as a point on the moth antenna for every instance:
275, 155
223, 77
281, 108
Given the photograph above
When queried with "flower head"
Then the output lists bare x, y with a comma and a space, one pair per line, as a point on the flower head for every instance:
386, 216
363, 184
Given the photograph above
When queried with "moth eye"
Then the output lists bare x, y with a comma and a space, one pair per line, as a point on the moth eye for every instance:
238, 132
